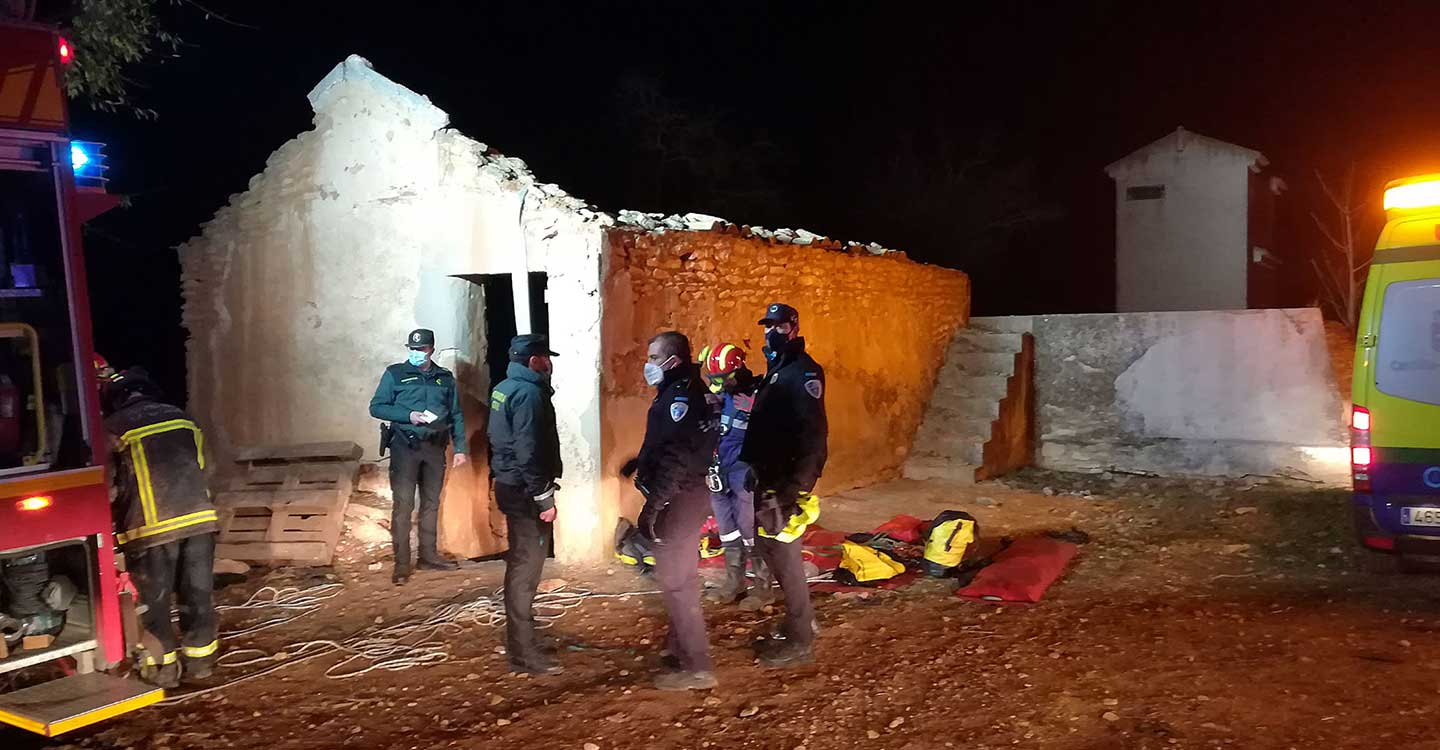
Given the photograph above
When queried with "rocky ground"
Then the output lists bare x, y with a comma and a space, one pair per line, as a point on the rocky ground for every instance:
1201, 615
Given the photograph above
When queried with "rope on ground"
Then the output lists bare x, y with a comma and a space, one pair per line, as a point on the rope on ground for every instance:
296, 602
416, 642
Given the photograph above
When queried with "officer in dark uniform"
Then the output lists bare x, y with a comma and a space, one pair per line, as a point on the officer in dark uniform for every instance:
786, 446
422, 403
525, 459
165, 522
670, 472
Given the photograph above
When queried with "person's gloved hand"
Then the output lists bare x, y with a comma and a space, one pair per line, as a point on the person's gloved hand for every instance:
649, 519
629, 468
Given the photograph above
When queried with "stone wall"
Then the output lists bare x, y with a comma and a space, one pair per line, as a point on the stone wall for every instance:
878, 323
1224, 393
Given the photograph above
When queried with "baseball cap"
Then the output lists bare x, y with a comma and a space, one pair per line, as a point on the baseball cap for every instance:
779, 312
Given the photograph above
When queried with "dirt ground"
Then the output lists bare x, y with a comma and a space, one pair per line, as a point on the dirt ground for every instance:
1200, 615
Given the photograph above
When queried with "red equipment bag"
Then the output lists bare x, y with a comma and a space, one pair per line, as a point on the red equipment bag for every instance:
1021, 572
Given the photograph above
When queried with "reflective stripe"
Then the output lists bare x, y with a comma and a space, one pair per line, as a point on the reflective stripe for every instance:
133, 437
174, 524
200, 652
147, 490
170, 657
732, 536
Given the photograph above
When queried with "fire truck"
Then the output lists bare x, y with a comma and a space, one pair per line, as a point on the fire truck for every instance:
63, 615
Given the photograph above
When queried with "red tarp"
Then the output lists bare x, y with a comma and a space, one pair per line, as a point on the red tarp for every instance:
1022, 572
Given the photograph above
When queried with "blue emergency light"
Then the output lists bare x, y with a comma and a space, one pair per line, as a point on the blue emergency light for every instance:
87, 160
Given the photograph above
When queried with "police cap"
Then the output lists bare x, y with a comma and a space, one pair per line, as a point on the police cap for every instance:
420, 337
528, 345
779, 312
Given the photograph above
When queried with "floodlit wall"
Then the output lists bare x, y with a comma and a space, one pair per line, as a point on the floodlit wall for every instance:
878, 324
1221, 393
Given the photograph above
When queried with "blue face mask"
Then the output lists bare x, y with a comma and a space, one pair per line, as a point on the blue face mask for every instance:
416, 358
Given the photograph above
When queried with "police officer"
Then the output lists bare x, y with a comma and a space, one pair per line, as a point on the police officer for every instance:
166, 524
786, 447
525, 459
422, 403
670, 473
732, 496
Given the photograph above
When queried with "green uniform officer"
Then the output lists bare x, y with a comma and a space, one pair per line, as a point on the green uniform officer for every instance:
422, 403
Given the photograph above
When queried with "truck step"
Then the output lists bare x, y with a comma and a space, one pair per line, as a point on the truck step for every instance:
59, 706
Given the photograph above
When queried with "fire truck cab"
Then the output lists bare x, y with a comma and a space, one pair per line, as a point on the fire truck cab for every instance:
61, 623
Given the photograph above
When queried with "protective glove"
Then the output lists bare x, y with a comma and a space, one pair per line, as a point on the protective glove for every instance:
630, 467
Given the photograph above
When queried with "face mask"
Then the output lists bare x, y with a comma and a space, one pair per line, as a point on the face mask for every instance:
655, 374
775, 343
416, 358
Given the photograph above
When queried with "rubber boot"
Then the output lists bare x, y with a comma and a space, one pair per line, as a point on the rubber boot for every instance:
762, 594
734, 584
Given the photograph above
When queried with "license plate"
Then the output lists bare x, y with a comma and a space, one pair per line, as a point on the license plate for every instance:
1420, 516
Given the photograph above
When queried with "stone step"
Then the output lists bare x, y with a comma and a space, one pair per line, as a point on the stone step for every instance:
940, 446
1009, 324
960, 408
982, 363
941, 469
954, 385
972, 340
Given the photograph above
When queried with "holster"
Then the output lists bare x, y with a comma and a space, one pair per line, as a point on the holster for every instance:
386, 432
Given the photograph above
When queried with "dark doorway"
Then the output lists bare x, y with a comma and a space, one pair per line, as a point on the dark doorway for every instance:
499, 302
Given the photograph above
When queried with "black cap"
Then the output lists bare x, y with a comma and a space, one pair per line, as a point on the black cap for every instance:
528, 345
420, 337
779, 312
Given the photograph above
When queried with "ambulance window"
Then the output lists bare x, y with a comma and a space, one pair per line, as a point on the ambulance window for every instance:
1407, 363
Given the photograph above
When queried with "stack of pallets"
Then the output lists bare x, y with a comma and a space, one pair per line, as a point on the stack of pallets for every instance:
286, 503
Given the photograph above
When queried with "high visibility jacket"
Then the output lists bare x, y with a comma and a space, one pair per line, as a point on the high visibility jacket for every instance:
160, 459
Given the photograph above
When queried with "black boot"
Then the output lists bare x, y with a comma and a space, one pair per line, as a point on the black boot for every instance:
437, 563
734, 584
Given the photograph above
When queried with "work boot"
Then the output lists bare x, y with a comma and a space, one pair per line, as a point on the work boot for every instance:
786, 653
676, 681
401, 575
535, 665
198, 669
762, 594
437, 563
165, 676
734, 584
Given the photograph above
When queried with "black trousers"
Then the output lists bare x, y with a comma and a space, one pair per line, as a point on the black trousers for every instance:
184, 570
524, 565
787, 564
420, 465
677, 568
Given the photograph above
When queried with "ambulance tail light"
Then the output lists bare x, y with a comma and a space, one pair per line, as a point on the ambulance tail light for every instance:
1361, 454
38, 502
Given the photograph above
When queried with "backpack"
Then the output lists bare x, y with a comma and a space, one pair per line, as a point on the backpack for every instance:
865, 566
951, 533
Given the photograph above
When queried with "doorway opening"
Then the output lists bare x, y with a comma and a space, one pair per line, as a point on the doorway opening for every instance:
499, 310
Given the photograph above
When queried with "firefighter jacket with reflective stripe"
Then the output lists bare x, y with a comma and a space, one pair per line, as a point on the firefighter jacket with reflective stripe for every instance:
524, 442
160, 460
788, 434
680, 433
405, 388
734, 424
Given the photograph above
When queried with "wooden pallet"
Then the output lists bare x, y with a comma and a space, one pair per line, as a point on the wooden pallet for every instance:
286, 503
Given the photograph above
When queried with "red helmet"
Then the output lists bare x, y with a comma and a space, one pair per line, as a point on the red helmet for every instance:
103, 370
718, 363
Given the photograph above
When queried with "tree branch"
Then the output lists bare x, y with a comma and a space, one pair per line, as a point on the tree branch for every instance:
212, 14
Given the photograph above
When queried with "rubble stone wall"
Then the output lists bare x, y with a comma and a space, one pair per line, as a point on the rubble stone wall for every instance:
878, 324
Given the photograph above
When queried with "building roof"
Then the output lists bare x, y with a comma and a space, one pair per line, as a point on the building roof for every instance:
1183, 139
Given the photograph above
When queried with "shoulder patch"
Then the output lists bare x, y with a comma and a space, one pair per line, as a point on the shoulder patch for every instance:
678, 410
815, 388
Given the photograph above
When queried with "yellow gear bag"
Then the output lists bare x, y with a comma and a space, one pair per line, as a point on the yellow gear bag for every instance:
865, 565
951, 533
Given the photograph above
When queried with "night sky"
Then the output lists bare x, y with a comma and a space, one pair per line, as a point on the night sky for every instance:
838, 117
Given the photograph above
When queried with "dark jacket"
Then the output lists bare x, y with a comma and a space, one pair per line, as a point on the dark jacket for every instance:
679, 437
405, 388
160, 460
786, 444
524, 444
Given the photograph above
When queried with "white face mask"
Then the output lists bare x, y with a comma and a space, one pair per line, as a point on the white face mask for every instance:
654, 373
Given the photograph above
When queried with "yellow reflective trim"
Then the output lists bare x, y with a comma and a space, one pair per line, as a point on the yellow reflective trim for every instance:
174, 524
169, 658
200, 652
156, 429
29, 725
498, 396
142, 480
65, 480
108, 712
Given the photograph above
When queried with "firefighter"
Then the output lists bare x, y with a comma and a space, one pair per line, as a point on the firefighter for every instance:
732, 484
786, 447
670, 474
166, 524
421, 402
525, 459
